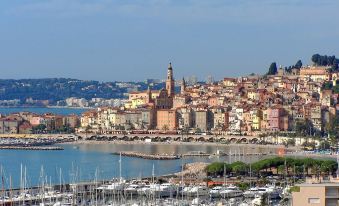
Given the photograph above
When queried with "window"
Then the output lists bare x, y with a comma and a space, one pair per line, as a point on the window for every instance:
313, 200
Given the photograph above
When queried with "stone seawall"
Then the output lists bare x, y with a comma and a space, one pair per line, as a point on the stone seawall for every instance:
147, 156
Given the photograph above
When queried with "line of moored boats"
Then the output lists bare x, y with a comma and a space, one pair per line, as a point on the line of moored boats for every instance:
146, 192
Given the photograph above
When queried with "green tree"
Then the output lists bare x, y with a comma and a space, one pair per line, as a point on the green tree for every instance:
272, 70
217, 168
41, 128
298, 65
328, 166
239, 168
324, 145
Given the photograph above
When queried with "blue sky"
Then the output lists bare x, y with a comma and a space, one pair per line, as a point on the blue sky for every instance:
125, 40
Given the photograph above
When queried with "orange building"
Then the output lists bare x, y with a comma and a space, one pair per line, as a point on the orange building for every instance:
167, 119
315, 73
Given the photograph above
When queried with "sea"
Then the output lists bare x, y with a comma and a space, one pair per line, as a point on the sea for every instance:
42, 110
88, 162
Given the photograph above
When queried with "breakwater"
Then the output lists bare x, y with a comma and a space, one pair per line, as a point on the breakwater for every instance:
147, 156
173, 157
29, 148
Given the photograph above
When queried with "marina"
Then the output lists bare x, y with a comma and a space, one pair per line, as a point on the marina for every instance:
147, 191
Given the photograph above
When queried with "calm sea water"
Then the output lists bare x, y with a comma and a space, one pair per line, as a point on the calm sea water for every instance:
86, 159
41, 110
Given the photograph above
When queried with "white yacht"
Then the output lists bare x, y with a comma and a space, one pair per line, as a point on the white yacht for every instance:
153, 188
144, 190
199, 191
231, 191
271, 191
186, 190
250, 193
116, 186
167, 190
215, 191
274, 192
132, 189
257, 201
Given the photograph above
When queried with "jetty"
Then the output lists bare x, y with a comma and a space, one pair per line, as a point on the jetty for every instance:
29, 148
147, 156
195, 154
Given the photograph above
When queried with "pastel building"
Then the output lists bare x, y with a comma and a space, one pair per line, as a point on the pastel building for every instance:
167, 119
256, 116
323, 194
316, 74
273, 119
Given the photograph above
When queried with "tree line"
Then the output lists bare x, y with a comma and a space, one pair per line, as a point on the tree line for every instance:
317, 59
276, 165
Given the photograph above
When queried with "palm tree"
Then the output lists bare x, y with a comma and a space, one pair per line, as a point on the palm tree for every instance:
165, 127
87, 129
308, 163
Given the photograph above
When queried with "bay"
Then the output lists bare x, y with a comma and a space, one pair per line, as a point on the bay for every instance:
85, 159
42, 110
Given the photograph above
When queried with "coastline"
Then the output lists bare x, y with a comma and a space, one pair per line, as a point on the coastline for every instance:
66, 107
52, 107
138, 142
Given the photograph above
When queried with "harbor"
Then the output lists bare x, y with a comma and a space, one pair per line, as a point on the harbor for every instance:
153, 190
141, 192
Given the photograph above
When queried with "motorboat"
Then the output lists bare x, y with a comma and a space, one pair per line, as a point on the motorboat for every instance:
250, 193
271, 191
153, 188
166, 190
215, 191
198, 202
186, 190
257, 201
231, 191
199, 191
115, 186
144, 190
132, 189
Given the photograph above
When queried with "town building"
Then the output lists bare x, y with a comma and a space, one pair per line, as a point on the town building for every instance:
322, 194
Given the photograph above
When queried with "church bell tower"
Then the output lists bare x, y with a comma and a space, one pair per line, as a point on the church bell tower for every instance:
170, 81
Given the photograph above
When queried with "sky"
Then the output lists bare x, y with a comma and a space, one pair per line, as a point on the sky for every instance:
132, 40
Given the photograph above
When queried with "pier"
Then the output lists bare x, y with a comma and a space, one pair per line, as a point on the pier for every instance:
173, 157
147, 156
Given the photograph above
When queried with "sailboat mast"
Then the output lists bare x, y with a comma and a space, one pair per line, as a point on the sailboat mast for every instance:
10, 189
120, 168
224, 174
153, 173
21, 176
250, 174
3, 184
